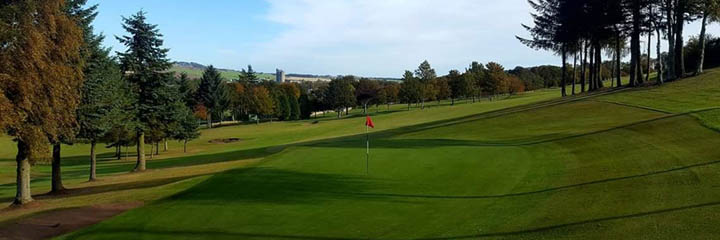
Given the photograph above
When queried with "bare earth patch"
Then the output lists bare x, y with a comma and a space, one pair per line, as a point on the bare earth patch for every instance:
224, 140
56, 223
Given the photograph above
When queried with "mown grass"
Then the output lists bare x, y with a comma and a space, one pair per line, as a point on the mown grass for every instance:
257, 142
624, 165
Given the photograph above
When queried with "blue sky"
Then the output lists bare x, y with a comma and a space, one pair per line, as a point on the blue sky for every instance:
361, 37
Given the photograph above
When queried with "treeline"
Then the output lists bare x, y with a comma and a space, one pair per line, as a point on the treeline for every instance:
584, 29
59, 85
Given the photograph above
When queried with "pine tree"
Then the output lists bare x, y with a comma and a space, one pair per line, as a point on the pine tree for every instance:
212, 93
145, 66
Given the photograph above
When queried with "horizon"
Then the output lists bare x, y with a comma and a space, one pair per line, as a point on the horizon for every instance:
366, 38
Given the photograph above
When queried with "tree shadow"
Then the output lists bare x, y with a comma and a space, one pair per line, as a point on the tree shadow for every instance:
198, 234
572, 224
270, 185
74, 192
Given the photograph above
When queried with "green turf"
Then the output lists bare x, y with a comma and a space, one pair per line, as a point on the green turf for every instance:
629, 164
256, 141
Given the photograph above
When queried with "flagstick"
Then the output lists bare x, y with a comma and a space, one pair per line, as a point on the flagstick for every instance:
367, 151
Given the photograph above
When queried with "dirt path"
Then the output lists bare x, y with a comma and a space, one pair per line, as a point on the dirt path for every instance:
56, 223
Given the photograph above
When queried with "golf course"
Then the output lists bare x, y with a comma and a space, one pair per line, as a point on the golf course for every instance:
612, 164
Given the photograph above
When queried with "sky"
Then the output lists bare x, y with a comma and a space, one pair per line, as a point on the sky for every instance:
373, 38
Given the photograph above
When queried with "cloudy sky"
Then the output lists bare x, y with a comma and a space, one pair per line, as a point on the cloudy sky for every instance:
361, 37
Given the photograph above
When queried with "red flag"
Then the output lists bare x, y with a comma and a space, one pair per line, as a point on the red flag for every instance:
368, 122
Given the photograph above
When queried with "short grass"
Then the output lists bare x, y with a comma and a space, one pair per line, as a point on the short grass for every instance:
257, 141
629, 164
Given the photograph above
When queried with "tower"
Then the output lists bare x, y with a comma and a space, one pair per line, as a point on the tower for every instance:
279, 76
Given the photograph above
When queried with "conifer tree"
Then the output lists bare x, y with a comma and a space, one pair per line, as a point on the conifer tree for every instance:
144, 64
212, 93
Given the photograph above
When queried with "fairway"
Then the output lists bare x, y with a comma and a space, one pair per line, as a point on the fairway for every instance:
585, 167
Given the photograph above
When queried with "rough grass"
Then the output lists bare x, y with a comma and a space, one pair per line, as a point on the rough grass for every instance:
618, 166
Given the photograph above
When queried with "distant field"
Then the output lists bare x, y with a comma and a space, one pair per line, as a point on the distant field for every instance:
227, 75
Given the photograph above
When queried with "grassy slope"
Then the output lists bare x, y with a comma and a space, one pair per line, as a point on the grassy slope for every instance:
228, 75
257, 141
593, 168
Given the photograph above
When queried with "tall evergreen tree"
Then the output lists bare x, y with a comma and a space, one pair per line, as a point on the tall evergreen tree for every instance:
212, 93
145, 66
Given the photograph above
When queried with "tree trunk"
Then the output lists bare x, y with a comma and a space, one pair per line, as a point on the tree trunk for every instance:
701, 61
671, 39
140, 165
56, 183
591, 68
165, 144
679, 43
157, 148
649, 59
659, 57
574, 72
152, 148
618, 53
598, 56
209, 119
185, 146
564, 71
584, 67
93, 162
635, 76
118, 151
23, 195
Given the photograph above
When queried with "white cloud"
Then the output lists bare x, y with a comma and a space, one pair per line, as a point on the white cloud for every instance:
385, 37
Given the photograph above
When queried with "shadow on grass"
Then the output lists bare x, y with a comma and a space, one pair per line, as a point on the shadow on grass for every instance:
239, 235
200, 234
270, 185
590, 221
73, 192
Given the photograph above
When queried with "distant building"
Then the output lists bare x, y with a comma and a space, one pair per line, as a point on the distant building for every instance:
279, 76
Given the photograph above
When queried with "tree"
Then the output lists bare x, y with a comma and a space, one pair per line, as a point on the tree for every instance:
187, 128
145, 65
457, 87
341, 93
366, 92
474, 78
410, 90
187, 89
442, 89
104, 105
425, 74
495, 77
710, 11
306, 105
48, 42
248, 75
262, 102
212, 93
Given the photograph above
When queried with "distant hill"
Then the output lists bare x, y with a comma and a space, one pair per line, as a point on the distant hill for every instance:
195, 70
